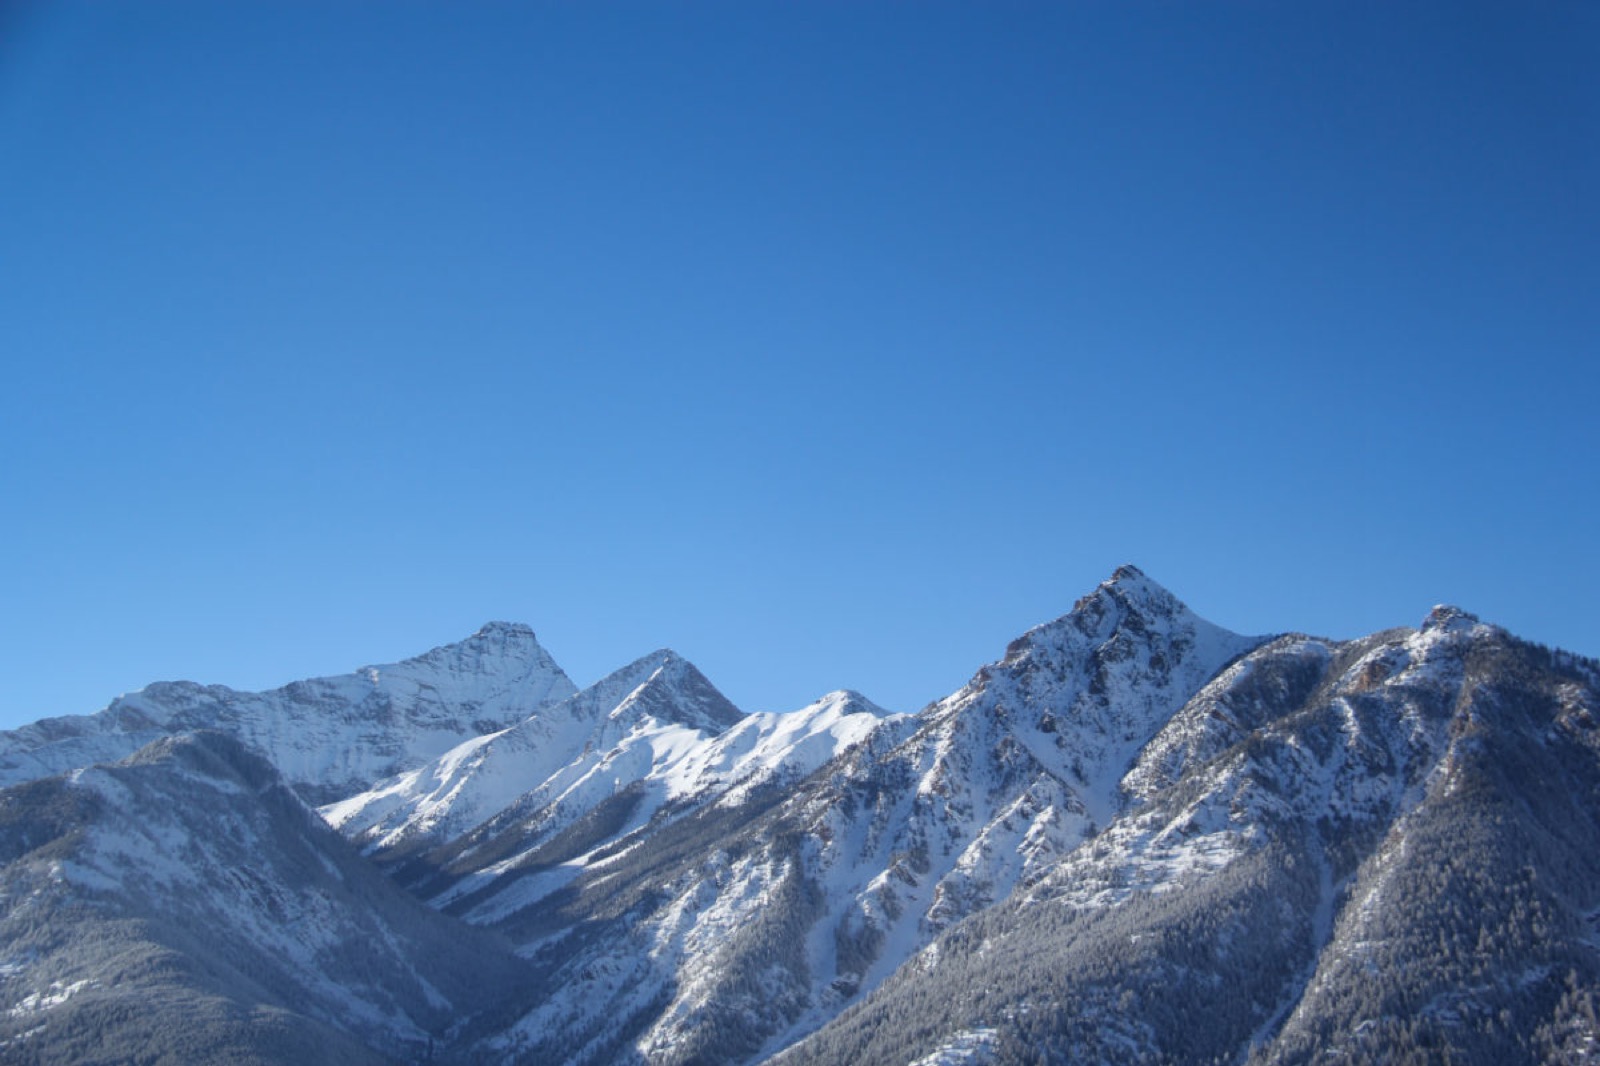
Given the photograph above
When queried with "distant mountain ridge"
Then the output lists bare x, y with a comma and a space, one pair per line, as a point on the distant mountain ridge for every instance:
1135, 837
329, 736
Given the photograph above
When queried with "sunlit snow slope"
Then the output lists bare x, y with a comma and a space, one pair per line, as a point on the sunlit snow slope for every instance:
329, 736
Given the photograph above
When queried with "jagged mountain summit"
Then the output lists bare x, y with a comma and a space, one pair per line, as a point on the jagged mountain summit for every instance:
550, 753
929, 820
656, 728
1134, 837
329, 736
1381, 850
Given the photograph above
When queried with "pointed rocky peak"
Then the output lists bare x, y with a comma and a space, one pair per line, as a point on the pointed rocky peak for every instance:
1441, 646
1121, 661
1127, 602
516, 632
1135, 588
662, 685
598, 700
676, 691
1137, 602
1446, 618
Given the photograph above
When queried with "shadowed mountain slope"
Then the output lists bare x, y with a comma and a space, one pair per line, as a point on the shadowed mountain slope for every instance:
185, 906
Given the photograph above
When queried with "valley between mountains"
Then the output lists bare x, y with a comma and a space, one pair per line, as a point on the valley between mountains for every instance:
1135, 837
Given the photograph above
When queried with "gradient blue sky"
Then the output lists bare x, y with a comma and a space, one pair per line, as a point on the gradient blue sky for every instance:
831, 344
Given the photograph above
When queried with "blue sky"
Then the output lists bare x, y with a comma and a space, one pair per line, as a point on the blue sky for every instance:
831, 344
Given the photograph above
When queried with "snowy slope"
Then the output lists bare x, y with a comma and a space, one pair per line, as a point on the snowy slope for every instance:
329, 736
185, 901
617, 728
1009, 773
768, 746
1374, 850
652, 735
929, 820
678, 772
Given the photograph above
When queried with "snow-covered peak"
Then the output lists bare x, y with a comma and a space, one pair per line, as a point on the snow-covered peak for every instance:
1450, 619
1127, 575
656, 765
757, 748
1126, 609
330, 736
503, 651
844, 701
662, 685
1085, 692
1138, 593
658, 701
1127, 599
517, 630
676, 691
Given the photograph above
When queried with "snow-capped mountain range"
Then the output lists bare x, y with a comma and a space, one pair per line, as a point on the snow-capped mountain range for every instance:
329, 736
1134, 837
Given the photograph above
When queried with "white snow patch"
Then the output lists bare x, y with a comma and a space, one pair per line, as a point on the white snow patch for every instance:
972, 1047
57, 994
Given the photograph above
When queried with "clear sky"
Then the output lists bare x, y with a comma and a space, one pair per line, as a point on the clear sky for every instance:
832, 344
